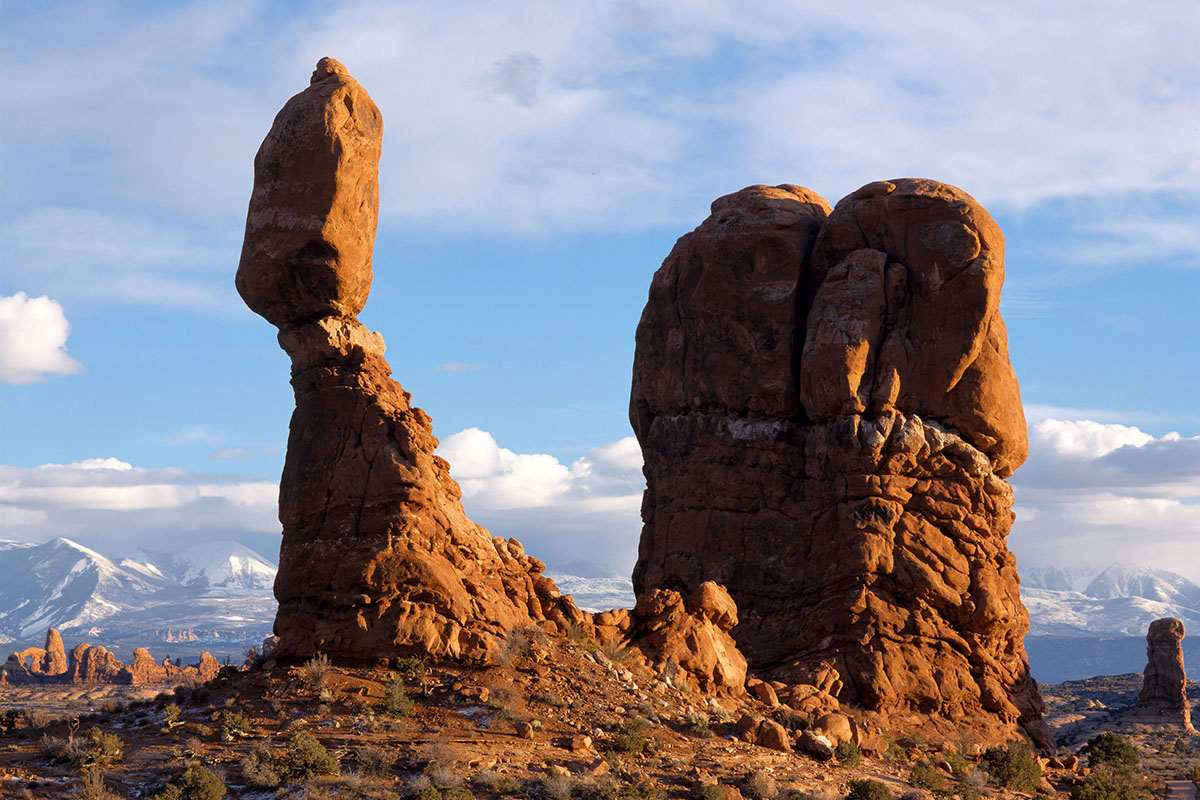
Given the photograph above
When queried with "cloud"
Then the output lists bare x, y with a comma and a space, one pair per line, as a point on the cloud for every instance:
114, 504
579, 516
1094, 491
33, 340
516, 76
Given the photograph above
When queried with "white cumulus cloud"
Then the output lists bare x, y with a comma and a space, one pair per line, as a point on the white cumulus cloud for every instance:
33, 339
1095, 492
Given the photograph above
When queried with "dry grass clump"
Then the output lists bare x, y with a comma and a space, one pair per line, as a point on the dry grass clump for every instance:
315, 671
761, 785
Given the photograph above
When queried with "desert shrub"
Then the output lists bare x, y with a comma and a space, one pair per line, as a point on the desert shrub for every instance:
1111, 750
630, 737
489, 780
10, 718
1181, 747
848, 754
395, 700
374, 760
926, 776
760, 785
194, 783
315, 671
171, 714
959, 766
556, 787
1193, 774
93, 788
1104, 785
868, 789
235, 724
1013, 766
305, 757
411, 669
259, 769
94, 750
708, 791
967, 791
639, 791
697, 721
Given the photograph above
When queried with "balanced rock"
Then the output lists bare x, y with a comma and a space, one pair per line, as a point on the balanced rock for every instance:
827, 414
378, 557
1164, 682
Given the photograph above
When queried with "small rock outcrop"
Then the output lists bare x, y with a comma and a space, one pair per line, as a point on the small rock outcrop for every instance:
378, 557
1164, 683
827, 413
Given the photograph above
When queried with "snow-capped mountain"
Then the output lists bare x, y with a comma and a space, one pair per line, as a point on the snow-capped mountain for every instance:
227, 565
209, 587
66, 585
596, 594
1120, 600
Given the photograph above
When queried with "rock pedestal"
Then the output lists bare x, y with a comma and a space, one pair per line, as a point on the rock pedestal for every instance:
827, 414
1164, 683
378, 557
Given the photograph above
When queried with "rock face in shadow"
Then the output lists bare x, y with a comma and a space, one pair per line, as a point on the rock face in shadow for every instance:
378, 557
827, 414
1164, 683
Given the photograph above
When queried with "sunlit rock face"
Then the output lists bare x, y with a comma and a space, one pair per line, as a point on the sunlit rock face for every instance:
1164, 682
378, 557
827, 413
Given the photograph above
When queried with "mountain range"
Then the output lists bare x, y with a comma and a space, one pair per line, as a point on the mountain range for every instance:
1084, 621
207, 591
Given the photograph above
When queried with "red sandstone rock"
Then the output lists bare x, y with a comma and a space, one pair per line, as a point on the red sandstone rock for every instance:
378, 557
1164, 683
692, 634
93, 664
48, 660
310, 228
848, 491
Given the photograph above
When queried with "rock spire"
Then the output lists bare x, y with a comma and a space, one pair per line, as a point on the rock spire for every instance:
378, 557
827, 413
1164, 682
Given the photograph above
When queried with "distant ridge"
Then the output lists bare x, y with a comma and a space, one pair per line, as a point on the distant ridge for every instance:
1120, 600
214, 586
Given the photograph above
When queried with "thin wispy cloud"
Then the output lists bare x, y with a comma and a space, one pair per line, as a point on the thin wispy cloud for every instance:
458, 366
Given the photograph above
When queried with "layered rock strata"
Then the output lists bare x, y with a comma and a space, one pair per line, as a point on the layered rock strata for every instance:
827, 414
378, 557
1164, 682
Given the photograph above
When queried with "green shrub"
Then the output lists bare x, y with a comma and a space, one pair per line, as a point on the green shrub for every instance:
411, 669
926, 776
848, 754
194, 783
1013, 766
708, 791
1181, 747
1104, 785
640, 791
1113, 751
631, 737
306, 757
236, 725
868, 789
395, 700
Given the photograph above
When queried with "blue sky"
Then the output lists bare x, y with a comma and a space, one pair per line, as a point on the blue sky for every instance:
539, 161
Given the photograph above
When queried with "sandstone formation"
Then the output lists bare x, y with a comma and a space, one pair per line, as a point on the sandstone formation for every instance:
88, 665
827, 412
48, 660
1164, 683
378, 557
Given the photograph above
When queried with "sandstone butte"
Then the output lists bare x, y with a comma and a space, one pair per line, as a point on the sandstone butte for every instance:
1164, 683
378, 557
827, 414
92, 664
